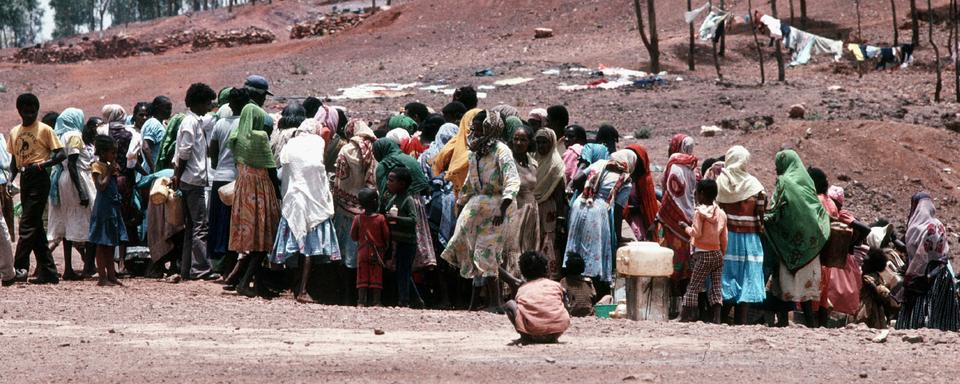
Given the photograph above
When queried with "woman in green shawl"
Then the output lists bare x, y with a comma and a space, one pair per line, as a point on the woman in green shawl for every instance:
255, 212
796, 229
389, 156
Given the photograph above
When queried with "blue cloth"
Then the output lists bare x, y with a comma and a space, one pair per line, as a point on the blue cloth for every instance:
218, 223
106, 223
153, 132
320, 241
591, 230
593, 152
743, 279
342, 222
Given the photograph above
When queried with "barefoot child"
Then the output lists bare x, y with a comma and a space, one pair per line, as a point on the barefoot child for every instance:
538, 313
579, 289
709, 239
370, 231
106, 224
401, 216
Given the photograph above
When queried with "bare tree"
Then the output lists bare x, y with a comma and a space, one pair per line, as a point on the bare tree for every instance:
936, 52
753, 27
915, 39
716, 58
954, 13
803, 12
778, 53
691, 65
652, 43
859, 39
896, 30
723, 38
791, 12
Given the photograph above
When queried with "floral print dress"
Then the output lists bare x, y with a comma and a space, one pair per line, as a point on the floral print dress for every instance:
477, 246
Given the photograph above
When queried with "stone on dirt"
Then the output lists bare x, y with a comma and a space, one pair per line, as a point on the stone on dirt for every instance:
913, 339
797, 111
542, 33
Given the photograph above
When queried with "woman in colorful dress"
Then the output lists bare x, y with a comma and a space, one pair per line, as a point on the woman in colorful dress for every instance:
306, 229
930, 294
595, 213
486, 201
641, 210
679, 184
526, 222
256, 209
355, 170
742, 197
550, 195
453, 159
796, 227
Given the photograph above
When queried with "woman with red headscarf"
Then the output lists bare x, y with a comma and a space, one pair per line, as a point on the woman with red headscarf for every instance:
679, 183
642, 207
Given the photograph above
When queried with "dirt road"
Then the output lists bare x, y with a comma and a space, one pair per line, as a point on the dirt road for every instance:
157, 332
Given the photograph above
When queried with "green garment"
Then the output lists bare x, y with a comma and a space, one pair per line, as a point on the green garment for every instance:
796, 226
402, 121
405, 229
388, 154
169, 145
248, 142
223, 98
512, 124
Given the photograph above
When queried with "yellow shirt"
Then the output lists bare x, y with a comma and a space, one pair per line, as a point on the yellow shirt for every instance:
32, 144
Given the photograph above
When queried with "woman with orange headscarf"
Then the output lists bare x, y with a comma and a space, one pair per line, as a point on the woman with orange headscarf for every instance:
642, 207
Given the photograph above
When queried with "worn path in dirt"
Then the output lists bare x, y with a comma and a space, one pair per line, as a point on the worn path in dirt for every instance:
158, 332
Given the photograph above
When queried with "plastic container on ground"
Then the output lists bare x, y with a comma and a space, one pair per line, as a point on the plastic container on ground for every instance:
644, 259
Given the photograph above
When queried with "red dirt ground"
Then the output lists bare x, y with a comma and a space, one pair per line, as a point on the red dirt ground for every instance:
882, 132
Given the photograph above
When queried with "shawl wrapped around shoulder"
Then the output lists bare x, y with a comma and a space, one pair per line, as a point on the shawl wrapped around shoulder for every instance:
797, 225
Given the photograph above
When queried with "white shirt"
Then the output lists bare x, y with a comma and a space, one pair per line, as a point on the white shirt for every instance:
192, 148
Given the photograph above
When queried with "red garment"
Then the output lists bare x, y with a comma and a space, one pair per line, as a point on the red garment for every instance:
372, 235
412, 147
641, 211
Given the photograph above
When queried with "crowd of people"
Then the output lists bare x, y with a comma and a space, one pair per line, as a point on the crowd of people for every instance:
461, 207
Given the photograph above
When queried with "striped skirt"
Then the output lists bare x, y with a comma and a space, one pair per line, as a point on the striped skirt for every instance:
937, 308
743, 280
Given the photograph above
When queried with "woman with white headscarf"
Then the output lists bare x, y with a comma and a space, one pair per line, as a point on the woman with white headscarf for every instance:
742, 197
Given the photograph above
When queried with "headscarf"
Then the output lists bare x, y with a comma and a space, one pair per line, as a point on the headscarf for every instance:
550, 169
402, 121
113, 113
877, 235
836, 193
735, 184
398, 135
644, 194
484, 138
539, 114
223, 98
248, 142
355, 166
622, 161
797, 226
713, 171
446, 133
327, 120
680, 143
926, 237
70, 120
453, 158
169, 145
389, 157
593, 152
307, 201
681, 153
505, 111
511, 124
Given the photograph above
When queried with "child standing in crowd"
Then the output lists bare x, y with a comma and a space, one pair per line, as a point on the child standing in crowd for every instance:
708, 235
106, 224
371, 232
579, 289
538, 313
401, 216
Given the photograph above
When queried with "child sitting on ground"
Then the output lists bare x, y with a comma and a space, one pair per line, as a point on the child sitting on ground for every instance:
579, 289
538, 313
708, 235
372, 234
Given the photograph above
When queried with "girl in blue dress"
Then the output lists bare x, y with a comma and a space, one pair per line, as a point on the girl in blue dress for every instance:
106, 224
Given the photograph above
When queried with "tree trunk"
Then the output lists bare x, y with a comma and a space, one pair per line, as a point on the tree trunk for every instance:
803, 13
791, 13
859, 40
763, 77
723, 39
691, 65
650, 43
778, 53
936, 52
915, 39
896, 31
954, 13
373, 7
